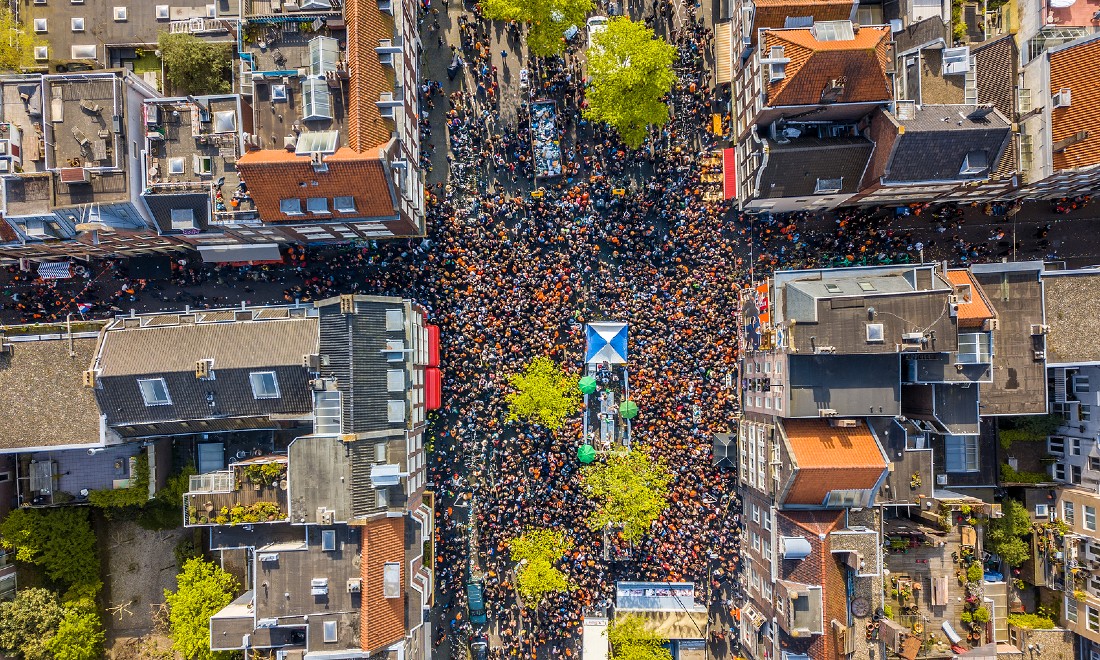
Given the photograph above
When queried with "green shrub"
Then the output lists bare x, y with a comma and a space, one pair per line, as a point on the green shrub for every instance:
1011, 476
60, 540
974, 572
1030, 621
966, 618
981, 615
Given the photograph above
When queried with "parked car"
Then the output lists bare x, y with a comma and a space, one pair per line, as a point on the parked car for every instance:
475, 602
479, 647
596, 25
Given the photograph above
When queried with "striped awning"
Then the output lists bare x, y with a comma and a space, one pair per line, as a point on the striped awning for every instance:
723, 52
55, 270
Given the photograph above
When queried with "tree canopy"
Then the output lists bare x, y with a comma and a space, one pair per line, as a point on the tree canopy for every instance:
631, 72
1003, 535
538, 550
28, 622
60, 540
630, 489
203, 589
544, 394
547, 19
198, 66
631, 640
16, 44
80, 635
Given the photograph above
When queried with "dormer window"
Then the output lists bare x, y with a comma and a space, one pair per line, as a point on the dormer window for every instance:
828, 186
777, 63
974, 164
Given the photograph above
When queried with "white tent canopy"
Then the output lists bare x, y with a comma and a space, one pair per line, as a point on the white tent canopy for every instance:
606, 343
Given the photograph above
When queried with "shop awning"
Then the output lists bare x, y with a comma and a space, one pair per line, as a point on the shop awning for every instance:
55, 270
433, 388
433, 345
723, 53
255, 253
729, 173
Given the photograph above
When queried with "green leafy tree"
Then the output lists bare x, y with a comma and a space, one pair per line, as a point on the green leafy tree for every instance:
544, 394
631, 72
1004, 535
631, 489
60, 540
537, 550
547, 20
631, 640
198, 66
28, 623
16, 43
203, 589
80, 635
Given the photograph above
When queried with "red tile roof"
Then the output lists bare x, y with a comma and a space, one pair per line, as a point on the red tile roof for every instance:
820, 567
274, 174
1075, 69
366, 25
971, 314
381, 619
772, 14
828, 458
861, 62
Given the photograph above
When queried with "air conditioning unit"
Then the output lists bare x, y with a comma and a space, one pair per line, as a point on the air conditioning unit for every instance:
8, 349
1037, 329
941, 479
355, 585
324, 516
1039, 356
267, 623
268, 557
1062, 98
912, 337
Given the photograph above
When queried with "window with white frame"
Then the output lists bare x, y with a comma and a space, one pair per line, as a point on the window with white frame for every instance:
264, 384
1067, 511
961, 453
1085, 412
344, 204
154, 391
756, 514
1059, 471
1090, 518
292, 206
1075, 446
1056, 444
1071, 609
1093, 619
756, 542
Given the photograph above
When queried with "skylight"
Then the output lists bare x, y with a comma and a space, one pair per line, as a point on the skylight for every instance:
833, 31
316, 142
866, 286
828, 186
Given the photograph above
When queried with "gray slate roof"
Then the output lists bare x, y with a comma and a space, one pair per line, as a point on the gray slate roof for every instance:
852, 385
793, 169
938, 138
238, 348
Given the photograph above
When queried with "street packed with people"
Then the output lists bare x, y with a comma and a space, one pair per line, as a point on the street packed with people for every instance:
514, 265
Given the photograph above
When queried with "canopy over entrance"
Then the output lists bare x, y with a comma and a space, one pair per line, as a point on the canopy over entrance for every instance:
606, 343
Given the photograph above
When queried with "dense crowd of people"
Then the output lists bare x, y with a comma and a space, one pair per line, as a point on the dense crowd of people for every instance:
510, 276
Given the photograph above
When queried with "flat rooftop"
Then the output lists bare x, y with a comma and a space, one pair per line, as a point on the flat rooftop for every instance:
190, 147
79, 114
1019, 380
21, 105
104, 25
43, 395
1074, 328
28, 195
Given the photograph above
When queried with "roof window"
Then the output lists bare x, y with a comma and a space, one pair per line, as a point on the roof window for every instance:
832, 288
264, 384
833, 31
828, 186
875, 333
291, 206
866, 286
154, 391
